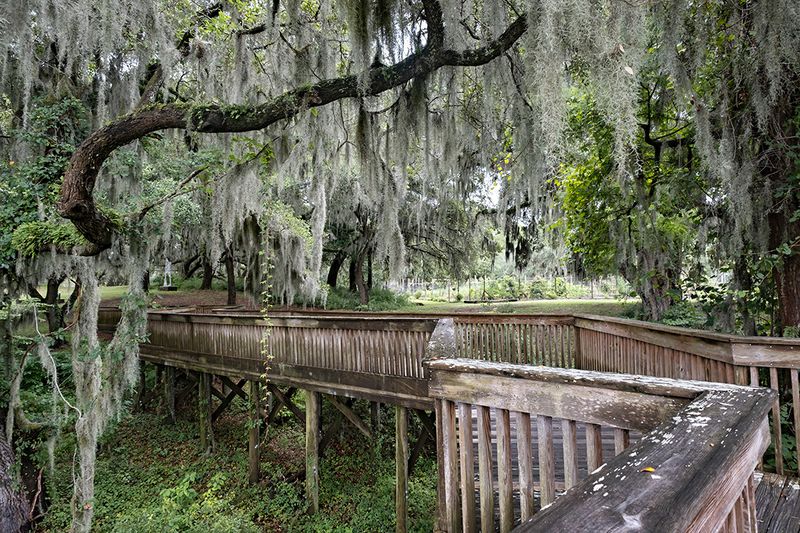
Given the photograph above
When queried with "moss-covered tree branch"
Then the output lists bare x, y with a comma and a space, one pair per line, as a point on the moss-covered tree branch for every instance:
77, 203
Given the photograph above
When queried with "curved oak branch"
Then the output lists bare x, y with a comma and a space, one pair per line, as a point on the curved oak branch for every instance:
77, 203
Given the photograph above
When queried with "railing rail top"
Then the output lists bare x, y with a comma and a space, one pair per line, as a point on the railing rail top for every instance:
693, 332
185, 315
676, 388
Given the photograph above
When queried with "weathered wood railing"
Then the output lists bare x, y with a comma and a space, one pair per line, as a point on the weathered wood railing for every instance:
547, 340
366, 357
694, 473
580, 341
691, 471
629, 346
627, 450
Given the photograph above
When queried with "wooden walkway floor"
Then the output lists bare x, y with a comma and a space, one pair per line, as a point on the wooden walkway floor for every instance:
778, 504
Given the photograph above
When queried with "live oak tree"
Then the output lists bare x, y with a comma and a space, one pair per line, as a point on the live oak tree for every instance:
308, 81
644, 226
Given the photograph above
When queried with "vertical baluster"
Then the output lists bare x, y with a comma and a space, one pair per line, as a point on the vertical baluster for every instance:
525, 462
622, 440
738, 510
570, 444
313, 412
401, 469
751, 504
504, 478
450, 456
547, 472
467, 466
485, 468
776, 422
594, 447
730, 523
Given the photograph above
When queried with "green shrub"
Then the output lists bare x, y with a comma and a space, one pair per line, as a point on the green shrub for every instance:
685, 314
379, 300
538, 289
182, 509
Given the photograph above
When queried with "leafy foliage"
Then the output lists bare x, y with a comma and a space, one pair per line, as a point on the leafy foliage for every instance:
31, 238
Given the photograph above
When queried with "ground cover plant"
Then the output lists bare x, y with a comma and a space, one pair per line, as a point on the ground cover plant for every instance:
152, 476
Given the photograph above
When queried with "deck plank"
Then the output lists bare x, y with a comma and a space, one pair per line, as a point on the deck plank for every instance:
778, 504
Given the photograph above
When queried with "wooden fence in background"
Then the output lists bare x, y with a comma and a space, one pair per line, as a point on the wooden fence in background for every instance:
616, 345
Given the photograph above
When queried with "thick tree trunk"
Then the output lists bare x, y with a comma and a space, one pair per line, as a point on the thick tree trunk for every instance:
369, 270
336, 266
252, 242
363, 292
190, 266
52, 311
788, 284
351, 275
231, 274
655, 291
208, 275
54, 319
787, 276
744, 283
14, 506
784, 226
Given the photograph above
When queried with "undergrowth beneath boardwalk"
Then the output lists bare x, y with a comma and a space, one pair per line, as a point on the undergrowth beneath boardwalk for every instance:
151, 476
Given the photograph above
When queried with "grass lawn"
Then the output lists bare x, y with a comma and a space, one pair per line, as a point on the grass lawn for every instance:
605, 307
598, 306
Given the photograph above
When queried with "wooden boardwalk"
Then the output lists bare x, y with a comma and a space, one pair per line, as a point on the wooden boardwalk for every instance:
778, 504
380, 358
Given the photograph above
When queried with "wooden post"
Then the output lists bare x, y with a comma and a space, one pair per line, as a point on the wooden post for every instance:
467, 459
441, 521
485, 468
254, 433
452, 514
204, 413
159, 376
169, 392
401, 468
375, 416
505, 489
312, 450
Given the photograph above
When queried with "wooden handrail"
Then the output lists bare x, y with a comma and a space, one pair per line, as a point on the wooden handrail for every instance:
735, 349
691, 474
701, 446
